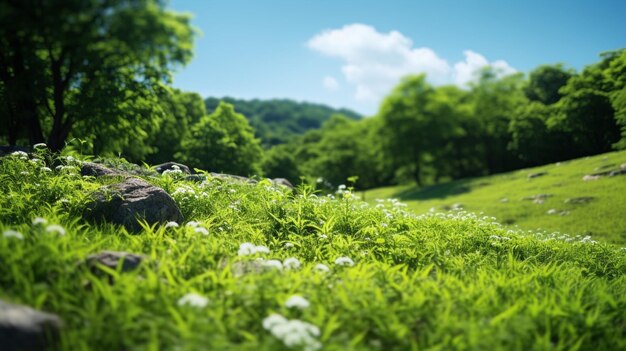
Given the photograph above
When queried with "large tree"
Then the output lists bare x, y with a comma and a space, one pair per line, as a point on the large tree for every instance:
84, 62
223, 142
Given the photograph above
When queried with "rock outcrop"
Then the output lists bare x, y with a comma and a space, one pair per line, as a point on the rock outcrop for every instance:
131, 201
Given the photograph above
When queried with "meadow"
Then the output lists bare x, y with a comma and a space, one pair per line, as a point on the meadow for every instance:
538, 199
262, 267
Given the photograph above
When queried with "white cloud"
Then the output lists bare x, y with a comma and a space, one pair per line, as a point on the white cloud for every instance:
465, 71
374, 62
330, 83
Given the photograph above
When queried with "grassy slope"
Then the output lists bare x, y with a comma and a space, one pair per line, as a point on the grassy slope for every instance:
435, 282
604, 218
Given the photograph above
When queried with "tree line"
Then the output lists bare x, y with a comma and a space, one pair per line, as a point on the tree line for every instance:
99, 80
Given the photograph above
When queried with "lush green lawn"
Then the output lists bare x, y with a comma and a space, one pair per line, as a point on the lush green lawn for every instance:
503, 196
255, 267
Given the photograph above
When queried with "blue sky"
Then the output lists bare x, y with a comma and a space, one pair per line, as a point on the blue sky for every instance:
350, 53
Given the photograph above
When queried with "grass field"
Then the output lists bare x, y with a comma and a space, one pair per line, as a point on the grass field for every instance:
508, 198
258, 267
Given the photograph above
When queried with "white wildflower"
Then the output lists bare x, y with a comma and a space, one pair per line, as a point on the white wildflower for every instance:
293, 333
288, 245
320, 267
273, 320
297, 301
10, 233
273, 264
21, 154
291, 263
40, 146
193, 224
193, 300
40, 220
246, 249
201, 230
55, 228
344, 261
45, 169
171, 224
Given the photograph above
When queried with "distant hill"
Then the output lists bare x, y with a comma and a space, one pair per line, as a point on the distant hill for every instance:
278, 120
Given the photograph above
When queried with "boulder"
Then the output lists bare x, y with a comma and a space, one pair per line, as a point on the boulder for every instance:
7, 150
579, 200
111, 259
535, 175
195, 178
132, 200
97, 170
282, 181
168, 166
230, 177
25, 329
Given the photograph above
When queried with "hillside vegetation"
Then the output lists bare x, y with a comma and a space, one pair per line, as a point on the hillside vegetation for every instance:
541, 197
259, 267
277, 121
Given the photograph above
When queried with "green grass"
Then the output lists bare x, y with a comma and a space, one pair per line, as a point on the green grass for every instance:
502, 196
432, 282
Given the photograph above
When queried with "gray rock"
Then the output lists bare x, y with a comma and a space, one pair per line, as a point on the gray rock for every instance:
283, 182
25, 329
170, 166
537, 197
111, 259
7, 150
535, 175
195, 178
97, 170
230, 177
579, 200
132, 200
617, 172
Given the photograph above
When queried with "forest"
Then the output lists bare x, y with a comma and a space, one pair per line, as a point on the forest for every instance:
102, 85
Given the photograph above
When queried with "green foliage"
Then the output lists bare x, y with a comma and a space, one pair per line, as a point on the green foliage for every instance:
279, 162
544, 83
222, 142
279, 121
509, 197
99, 69
453, 282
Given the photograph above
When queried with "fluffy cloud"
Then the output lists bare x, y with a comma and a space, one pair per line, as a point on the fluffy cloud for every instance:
330, 83
374, 62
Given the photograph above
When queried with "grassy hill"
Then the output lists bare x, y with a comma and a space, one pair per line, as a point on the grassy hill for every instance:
276, 121
259, 267
546, 201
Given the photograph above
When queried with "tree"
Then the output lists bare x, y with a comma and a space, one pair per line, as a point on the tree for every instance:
223, 142
544, 83
86, 69
181, 110
495, 100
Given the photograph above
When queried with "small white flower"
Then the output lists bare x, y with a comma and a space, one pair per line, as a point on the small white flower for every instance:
193, 224
70, 158
288, 245
291, 263
55, 228
40, 146
40, 220
344, 261
320, 267
273, 264
273, 320
323, 236
21, 154
10, 233
171, 224
201, 230
45, 169
246, 249
297, 301
193, 300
